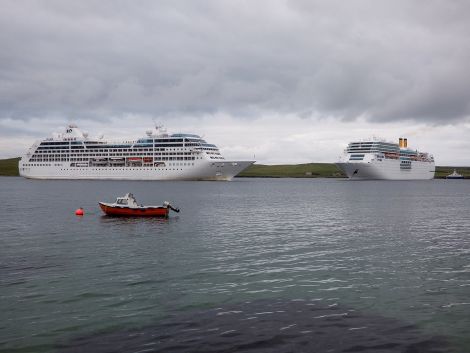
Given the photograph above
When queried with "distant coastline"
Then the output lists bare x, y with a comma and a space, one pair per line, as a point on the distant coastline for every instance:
9, 167
324, 170
308, 170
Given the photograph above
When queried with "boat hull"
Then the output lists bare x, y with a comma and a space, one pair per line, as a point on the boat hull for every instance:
387, 170
134, 212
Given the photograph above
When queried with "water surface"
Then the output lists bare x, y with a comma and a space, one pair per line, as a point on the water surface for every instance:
258, 265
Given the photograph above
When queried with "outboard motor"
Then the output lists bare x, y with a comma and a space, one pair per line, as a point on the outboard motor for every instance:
167, 205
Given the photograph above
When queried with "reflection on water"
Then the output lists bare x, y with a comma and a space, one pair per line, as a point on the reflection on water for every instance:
110, 220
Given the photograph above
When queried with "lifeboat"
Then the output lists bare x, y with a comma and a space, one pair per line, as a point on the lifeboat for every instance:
128, 206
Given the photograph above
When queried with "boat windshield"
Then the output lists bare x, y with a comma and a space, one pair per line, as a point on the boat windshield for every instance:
121, 201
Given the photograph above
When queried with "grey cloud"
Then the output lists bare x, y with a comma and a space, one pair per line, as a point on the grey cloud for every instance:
401, 60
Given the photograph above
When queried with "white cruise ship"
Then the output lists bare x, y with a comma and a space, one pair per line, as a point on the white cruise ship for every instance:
376, 159
158, 156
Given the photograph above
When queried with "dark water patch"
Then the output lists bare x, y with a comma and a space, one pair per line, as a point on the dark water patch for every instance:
32, 296
33, 348
14, 283
86, 295
93, 295
141, 283
119, 303
16, 269
265, 326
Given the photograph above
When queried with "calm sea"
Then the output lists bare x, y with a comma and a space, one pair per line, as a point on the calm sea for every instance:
253, 265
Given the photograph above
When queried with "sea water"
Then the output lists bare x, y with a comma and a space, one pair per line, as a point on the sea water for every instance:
252, 265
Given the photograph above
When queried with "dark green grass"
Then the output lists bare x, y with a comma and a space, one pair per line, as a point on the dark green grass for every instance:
309, 170
9, 167
442, 172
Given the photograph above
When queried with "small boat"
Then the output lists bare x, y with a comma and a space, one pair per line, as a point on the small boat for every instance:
128, 206
455, 175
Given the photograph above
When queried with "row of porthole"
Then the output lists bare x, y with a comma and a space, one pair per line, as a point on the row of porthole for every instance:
123, 169
74, 159
49, 165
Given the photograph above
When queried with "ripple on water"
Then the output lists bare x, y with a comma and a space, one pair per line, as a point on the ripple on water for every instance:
265, 326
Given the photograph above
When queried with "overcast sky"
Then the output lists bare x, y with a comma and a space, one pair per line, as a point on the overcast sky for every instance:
281, 81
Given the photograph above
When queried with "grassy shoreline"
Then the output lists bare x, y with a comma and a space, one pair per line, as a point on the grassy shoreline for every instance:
307, 170
443, 171
9, 167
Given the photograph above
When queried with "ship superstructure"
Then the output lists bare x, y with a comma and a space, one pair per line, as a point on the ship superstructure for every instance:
157, 156
377, 159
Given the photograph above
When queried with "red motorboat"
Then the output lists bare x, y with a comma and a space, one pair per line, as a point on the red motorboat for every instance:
127, 206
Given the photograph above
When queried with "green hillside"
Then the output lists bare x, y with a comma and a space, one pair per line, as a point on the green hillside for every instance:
9, 167
442, 172
322, 170
309, 170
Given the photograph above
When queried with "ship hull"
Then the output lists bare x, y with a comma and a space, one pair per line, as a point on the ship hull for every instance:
387, 170
203, 170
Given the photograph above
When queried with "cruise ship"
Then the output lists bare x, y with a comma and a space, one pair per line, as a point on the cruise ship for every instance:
375, 159
157, 156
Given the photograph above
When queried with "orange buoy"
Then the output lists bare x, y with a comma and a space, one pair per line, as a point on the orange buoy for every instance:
79, 212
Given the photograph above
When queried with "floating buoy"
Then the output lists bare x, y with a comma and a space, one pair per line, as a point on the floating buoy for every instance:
79, 212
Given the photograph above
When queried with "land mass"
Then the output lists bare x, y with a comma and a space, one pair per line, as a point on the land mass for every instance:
308, 170
9, 167
324, 170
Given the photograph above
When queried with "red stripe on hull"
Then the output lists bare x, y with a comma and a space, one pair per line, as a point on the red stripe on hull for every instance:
139, 212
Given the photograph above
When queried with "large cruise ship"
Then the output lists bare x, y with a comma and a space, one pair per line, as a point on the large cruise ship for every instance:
157, 156
375, 159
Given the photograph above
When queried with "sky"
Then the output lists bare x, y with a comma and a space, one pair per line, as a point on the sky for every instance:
277, 81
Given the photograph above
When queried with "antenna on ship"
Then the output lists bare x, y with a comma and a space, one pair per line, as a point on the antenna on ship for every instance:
157, 125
